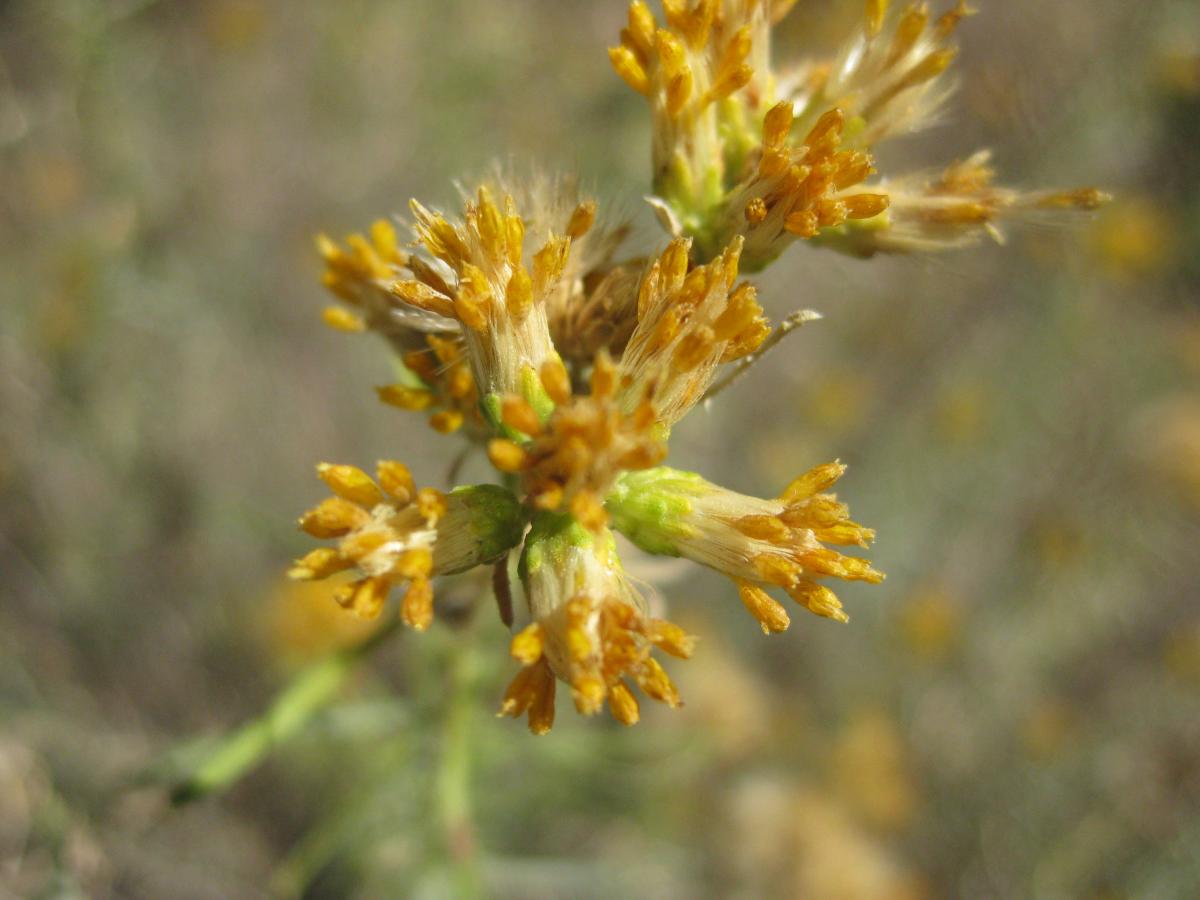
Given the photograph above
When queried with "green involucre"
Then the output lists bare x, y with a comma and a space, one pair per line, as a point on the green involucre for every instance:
651, 507
493, 515
535, 394
492, 405
551, 535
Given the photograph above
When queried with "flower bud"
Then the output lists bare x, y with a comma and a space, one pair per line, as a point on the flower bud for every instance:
482, 522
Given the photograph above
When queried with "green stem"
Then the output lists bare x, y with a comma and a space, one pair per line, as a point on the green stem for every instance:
308, 692
453, 778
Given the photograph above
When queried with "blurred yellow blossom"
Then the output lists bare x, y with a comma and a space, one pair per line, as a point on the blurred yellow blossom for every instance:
839, 400
65, 312
1048, 728
1179, 71
962, 411
728, 700
1135, 237
837, 860
1186, 334
56, 183
1181, 654
304, 621
792, 839
235, 24
1166, 440
931, 624
1058, 540
871, 770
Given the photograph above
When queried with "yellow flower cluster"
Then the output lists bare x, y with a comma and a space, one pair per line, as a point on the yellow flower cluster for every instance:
521, 327
739, 148
590, 629
385, 529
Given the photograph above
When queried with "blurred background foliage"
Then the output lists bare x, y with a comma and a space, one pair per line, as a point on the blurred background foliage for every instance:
1016, 712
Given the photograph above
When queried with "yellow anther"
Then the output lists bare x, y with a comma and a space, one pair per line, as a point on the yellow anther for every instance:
827, 131
518, 296
526, 646
415, 563
875, 13
341, 319
431, 503
656, 684
416, 609
864, 206
317, 564
383, 238
812, 482
670, 638
333, 517
506, 455
763, 528
541, 709
818, 599
556, 381
626, 64
622, 704
405, 397
395, 478
908, 31
367, 599
589, 511
350, 483
517, 414
447, 421
582, 219
769, 612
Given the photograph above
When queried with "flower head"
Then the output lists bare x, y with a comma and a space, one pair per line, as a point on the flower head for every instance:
360, 274
394, 534
521, 326
740, 149
956, 207
440, 381
889, 78
591, 305
797, 189
684, 70
479, 275
580, 443
689, 323
755, 542
589, 629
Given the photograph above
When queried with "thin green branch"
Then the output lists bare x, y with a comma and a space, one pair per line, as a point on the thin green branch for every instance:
307, 693
453, 777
